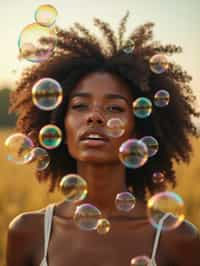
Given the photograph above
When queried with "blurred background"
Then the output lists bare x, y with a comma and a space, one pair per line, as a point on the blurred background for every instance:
175, 22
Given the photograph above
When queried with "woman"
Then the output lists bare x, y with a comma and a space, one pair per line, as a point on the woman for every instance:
101, 81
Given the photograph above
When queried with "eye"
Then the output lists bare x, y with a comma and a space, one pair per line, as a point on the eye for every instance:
80, 106
115, 109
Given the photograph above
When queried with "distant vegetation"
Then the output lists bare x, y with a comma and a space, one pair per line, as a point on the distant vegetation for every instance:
6, 120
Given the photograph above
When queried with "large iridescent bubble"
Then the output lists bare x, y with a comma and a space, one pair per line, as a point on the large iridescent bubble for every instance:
50, 136
142, 107
133, 153
166, 210
152, 145
73, 187
86, 216
125, 201
18, 148
158, 63
161, 98
46, 15
39, 158
36, 43
47, 94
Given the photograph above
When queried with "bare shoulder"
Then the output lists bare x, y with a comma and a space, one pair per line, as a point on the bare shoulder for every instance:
25, 232
184, 244
27, 222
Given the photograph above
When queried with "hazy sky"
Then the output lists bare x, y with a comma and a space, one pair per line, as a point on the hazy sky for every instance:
176, 22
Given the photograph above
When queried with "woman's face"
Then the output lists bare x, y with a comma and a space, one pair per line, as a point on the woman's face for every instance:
97, 98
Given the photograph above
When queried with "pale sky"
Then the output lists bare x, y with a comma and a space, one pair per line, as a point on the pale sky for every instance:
176, 22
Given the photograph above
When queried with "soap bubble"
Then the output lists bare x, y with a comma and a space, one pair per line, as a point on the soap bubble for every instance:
115, 127
46, 15
47, 94
133, 153
73, 187
36, 43
142, 107
166, 204
152, 145
161, 98
103, 226
125, 201
158, 63
129, 47
50, 136
40, 157
86, 216
158, 178
141, 261
18, 148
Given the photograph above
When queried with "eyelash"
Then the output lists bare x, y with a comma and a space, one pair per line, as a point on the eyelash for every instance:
115, 108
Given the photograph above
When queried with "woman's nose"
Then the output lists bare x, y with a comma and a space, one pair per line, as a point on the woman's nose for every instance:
95, 117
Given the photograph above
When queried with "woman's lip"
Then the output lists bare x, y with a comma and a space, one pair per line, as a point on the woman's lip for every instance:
94, 142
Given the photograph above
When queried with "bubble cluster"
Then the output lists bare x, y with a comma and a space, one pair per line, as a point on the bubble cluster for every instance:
73, 187
50, 136
158, 177
47, 94
161, 98
86, 216
46, 15
18, 148
40, 158
141, 261
165, 204
152, 145
103, 226
142, 107
125, 201
133, 153
115, 127
36, 43
158, 63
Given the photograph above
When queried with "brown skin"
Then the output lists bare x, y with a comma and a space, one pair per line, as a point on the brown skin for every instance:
100, 166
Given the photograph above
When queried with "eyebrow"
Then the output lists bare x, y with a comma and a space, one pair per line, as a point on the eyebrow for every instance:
107, 96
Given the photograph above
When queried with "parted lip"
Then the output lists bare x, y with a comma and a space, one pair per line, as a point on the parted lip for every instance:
99, 132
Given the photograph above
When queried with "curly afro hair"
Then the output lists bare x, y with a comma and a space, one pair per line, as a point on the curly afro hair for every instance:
78, 53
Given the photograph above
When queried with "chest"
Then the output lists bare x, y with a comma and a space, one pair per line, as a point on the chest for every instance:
76, 247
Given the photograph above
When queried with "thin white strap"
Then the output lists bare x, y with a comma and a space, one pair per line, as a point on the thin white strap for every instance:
47, 227
160, 224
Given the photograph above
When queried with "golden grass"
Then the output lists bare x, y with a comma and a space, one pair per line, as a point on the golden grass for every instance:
20, 192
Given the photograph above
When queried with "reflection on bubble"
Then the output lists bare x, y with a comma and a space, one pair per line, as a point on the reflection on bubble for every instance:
125, 201
158, 178
133, 153
18, 148
47, 94
158, 63
73, 187
36, 43
142, 107
141, 261
86, 216
129, 47
161, 98
103, 226
46, 15
50, 136
40, 157
168, 206
115, 127
152, 145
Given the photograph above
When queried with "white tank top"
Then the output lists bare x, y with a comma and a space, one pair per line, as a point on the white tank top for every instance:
48, 217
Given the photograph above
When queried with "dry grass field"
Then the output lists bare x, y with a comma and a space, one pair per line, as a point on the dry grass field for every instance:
20, 192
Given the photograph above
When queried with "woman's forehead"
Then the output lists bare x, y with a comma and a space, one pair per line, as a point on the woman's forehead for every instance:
102, 83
